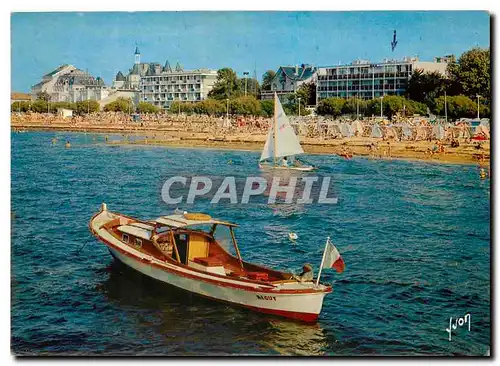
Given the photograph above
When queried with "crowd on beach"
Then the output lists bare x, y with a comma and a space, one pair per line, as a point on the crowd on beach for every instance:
400, 129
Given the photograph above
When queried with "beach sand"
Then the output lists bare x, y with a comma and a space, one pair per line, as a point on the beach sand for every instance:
172, 136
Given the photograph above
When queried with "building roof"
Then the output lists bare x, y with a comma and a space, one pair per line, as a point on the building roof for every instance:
52, 73
178, 67
20, 96
119, 76
167, 67
304, 72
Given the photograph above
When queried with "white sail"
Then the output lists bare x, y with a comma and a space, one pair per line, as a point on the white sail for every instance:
268, 153
287, 142
284, 141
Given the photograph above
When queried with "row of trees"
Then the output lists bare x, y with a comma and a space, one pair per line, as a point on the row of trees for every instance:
42, 106
458, 106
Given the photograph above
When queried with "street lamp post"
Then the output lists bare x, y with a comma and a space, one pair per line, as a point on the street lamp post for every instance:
445, 109
478, 96
299, 106
381, 108
357, 107
245, 73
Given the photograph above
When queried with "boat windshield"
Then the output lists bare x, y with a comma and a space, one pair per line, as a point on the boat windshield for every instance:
222, 235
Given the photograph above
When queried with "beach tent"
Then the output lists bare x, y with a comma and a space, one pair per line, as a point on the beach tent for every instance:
390, 132
406, 132
421, 133
345, 129
485, 122
376, 131
482, 129
438, 132
334, 129
357, 128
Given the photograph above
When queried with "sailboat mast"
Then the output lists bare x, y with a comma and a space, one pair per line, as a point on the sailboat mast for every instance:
275, 126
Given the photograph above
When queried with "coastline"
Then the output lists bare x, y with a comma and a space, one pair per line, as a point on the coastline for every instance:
358, 146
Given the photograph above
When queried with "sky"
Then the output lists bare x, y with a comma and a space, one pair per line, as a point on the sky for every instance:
104, 43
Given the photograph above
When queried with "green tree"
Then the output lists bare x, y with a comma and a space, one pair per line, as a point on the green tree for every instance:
65, 105
226, 85
39, 106
267, 79
146, 108
424, 87
351, 105
253, 87
457, 106
307, 94
472, 73
20, 106
120, 105
267, 108
247, 106
88, 106
43, 96
330, 107
212, 107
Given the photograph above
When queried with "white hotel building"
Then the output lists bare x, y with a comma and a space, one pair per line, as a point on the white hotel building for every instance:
161, 89
367, 80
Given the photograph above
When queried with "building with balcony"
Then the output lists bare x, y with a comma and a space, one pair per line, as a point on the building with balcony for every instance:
288, 79
366, 80
163, 88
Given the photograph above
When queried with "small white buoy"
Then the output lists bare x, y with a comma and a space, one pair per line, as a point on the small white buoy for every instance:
293, 236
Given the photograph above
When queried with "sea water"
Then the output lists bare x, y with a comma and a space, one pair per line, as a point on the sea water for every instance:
415, 237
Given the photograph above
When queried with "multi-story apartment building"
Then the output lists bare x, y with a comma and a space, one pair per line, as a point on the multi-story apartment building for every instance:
367, 80
161, 89
161, 85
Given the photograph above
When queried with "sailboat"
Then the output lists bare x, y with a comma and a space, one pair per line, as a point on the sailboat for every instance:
282, 144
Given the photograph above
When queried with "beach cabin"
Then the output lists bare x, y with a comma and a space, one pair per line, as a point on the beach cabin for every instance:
65, 113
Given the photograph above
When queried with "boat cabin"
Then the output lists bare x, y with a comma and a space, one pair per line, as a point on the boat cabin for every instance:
193, 240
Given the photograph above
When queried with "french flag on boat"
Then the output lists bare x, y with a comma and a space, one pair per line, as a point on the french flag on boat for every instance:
331, 259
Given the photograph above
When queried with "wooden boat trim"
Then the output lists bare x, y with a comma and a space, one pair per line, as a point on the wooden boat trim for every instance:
236, 247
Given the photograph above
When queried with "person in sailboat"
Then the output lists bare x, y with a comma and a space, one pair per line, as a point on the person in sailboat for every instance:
284, 162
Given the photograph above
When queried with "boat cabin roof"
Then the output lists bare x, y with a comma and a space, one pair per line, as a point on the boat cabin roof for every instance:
178, 221
139, 232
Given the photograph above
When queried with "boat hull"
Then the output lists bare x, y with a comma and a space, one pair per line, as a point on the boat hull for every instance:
304, 307
297, 168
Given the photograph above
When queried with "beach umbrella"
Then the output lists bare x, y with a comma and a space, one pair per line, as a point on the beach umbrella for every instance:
376, 131
407, 133
357, 128
438, 132
346, 130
